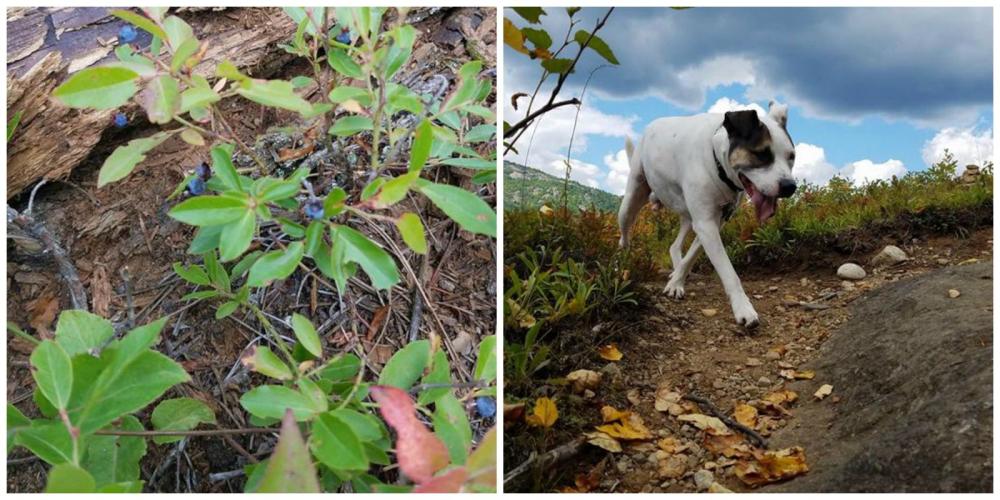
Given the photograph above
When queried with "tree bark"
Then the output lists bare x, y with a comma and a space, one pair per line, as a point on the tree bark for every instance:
45, 45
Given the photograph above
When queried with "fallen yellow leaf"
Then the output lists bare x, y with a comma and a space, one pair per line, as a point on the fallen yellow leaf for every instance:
771, 466
746, 415
718, 488
781, 397
797, 375
666, 399
824, 391
671, 445
610, 414
602, 440
610, 352
729, 446
627, 425
706, 423
544, 415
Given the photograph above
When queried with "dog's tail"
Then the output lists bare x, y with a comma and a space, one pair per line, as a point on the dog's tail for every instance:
629, 148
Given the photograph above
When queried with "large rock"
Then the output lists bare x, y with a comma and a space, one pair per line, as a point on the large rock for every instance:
851, 271
890, 255
913, 370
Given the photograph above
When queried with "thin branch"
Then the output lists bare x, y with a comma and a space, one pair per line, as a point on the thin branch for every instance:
204, 432
750, 433
35, 229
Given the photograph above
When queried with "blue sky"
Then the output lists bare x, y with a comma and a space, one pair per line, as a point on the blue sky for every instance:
871, 92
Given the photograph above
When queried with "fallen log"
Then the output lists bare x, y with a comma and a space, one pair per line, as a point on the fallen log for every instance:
45, 45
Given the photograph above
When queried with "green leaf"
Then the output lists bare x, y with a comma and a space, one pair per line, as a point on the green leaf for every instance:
79, 331
407, 365
530, 14
126, 385
139, 22
237, 236
378, 265
343, 64
275, 265
345, 93
482, 463
275, 93
160, 99
465, 208
124, 487
290, 468
222, 166
394, 190
183, 53
134, 61
210, 210
262, 360
412, 230
226, 309
271, 401
486, 363
539, 38
102, 87
558, 66
401, 98
365, 426
179, 414
423, 139
335, 444
197, 97
49, 440
68, 478
115, 459
53, 372
344, 367
177, 31
15, 422
124, 159
192, 274
350, 125
480, 133
400, 51
474, 163
306, 334
333, 205
451, 424
596, 43
12, 125
440, 373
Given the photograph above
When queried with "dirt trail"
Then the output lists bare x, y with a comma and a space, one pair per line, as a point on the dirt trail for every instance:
694, 347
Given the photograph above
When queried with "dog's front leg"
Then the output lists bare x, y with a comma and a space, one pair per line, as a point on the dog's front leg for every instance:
708, 233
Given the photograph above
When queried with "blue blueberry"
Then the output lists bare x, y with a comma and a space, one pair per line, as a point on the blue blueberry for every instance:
203, 171
196, 186
314, 209
127, 34
121, 120
486, 406
344, 37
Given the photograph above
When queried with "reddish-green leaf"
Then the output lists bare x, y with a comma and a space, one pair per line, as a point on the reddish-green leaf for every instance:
290, 468
449, 482
420, 453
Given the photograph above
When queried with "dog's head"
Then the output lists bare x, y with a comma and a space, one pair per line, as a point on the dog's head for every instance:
762, 154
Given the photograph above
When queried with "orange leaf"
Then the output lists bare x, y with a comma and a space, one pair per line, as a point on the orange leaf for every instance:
420, 452
610, 352
449, 482
772, 466
545, 413
746, 415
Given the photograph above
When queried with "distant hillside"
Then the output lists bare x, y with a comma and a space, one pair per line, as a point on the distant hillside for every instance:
539, 188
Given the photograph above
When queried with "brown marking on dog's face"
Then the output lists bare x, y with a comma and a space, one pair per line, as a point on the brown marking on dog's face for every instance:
749, 140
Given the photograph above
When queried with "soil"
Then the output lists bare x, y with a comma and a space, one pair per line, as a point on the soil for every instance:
123, 244
911, 371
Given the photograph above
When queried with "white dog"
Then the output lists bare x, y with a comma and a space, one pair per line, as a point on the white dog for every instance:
699, 166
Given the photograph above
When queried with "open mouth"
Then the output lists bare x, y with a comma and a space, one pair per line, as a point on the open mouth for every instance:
765, 205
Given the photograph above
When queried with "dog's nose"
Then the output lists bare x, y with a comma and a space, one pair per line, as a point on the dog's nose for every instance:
786, 188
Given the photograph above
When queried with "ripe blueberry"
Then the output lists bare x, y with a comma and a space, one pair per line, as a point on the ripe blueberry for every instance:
344, 36
313, 209
196, 186
127, 34
121, 120
486, 406
203, 171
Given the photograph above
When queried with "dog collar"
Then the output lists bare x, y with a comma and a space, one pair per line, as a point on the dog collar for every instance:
722, 174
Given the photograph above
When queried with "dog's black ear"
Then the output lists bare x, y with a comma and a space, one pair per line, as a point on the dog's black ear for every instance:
744, 124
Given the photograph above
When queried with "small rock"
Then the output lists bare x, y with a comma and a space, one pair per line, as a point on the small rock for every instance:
942, 262
889, 255
772, 355
718, 384
763, 381
851, 271
463, 342
709, 312
588, 394
754, 362
954, 293
847, 285
598, 328
703, 479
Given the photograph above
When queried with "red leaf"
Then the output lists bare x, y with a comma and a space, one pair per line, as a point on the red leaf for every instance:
420, 452
449, 482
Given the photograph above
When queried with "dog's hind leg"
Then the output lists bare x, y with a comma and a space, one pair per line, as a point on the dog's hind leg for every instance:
636, 195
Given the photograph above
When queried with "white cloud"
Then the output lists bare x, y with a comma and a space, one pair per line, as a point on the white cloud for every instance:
618, 169
967, 145
726, 104
582, 172
862, 172
811, 165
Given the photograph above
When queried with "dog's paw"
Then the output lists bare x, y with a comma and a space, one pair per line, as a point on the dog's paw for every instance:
674, 290
746, 316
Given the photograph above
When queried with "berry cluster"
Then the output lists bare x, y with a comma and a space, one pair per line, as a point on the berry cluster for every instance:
202, 173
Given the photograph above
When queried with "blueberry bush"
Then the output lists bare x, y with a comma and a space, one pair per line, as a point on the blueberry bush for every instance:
258, 222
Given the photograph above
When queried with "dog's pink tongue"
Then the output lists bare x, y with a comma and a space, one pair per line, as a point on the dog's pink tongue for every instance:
766, 205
